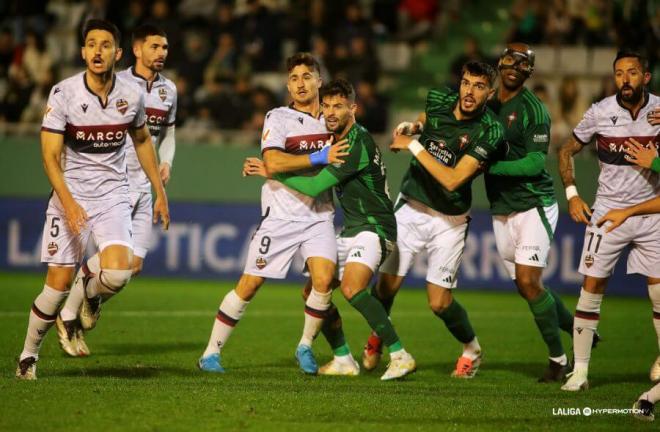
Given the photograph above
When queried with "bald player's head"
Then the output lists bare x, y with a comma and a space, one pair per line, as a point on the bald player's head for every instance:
516, 64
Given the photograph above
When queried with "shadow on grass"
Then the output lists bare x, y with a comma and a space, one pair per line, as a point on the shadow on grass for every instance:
127, 372
146, 348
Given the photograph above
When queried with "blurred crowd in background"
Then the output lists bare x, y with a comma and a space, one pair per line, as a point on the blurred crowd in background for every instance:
226, 57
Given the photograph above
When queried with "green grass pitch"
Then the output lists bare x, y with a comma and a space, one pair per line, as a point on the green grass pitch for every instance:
142, 374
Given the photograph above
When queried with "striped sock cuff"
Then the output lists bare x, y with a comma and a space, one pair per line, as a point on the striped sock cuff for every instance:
226, 319
592, 316
321, 314
656, 315
42, 315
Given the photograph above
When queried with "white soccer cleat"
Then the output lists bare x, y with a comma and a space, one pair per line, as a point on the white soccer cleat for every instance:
66, 334
655, 370
90, 309
577, 380
344, 366
400, 365
27, 369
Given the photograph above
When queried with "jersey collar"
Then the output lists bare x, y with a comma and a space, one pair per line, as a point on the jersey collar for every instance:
150, 85
112, 87
305, 112
646, 101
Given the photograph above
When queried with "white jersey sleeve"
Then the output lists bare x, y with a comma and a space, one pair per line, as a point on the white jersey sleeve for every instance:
140, 115
588, 126
274, 133
171, 116
55, 117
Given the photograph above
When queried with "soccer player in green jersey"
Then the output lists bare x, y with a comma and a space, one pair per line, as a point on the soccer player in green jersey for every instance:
523, 203
370, 231
458, 135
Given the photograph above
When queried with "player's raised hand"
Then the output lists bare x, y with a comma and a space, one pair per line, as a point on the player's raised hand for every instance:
400, 142
338, 151
253, 166
162, 211
639, 154
165, 171
616, 217
579, 210
76, 216
653, 117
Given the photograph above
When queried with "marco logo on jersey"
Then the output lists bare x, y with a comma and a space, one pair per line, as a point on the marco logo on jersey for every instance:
96, 139
155, 119
306, 143
441, 152
611, 150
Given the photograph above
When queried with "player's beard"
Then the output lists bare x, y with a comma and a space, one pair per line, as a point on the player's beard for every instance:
475, 111
635, 96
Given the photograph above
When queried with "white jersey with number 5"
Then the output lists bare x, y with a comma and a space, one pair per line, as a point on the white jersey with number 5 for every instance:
294, 132
620, 183
94, 134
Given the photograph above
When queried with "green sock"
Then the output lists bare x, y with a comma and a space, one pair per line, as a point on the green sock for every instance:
457, 322
375, 314
387, 303
333, 332
564, 316
545, 314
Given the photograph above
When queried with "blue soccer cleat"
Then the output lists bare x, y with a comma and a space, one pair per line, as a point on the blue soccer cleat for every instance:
306, 359
210, 363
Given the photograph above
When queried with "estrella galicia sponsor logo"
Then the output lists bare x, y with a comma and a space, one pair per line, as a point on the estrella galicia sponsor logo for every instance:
442, 152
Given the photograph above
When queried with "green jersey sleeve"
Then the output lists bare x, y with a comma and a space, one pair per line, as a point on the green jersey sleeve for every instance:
488, 142
311, 186
537, 137
356, 161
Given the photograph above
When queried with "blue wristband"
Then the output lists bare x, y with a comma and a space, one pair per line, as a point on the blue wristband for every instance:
320, 157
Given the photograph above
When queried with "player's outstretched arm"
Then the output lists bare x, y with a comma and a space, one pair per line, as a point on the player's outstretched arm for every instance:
450, 178
531, 165
278, 161
577, 208
619, 216
147, 157
410, 128
52, 145
311, 186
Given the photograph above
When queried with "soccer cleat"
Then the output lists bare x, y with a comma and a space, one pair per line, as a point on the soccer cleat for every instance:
654, 374
27, 369
466, 367
400, 366
210, 363
306, 360
372, 352
643, 410
90, 309
555, 372
83, 349
66, 334
345, 366
577, 380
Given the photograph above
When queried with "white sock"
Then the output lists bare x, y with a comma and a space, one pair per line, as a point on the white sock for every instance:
587, 316
562, 359
316, 306
230, 312
654, 295
652, 395
42, 317
472, 349
72, 305
108, 283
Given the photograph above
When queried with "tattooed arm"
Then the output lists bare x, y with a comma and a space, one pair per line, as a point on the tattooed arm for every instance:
578, 209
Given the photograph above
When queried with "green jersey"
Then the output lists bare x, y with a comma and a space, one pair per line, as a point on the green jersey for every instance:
361, 187
362, 190
526, 132
448, 139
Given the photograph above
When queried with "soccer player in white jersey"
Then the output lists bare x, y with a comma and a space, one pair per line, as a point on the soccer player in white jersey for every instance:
150, 48
294, 139
613, 122
88, 117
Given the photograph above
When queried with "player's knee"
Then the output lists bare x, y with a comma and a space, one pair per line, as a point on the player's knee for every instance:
115, 280
323, 282
439, 303
528, 286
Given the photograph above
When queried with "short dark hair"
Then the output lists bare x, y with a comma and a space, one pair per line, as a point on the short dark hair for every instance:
99, 24
339, 87
302, 58
629, 53
145, 30
478, 68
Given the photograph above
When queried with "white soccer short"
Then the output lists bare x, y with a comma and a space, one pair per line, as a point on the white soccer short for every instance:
442, 236
142, 217
108, 221
525, 237
276, 241
601, 250
366, 248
